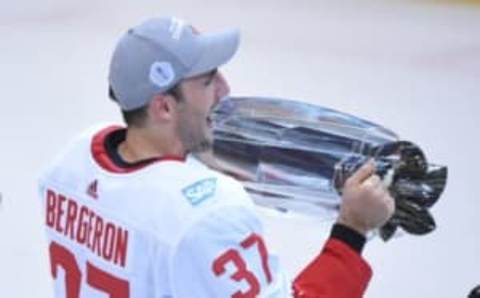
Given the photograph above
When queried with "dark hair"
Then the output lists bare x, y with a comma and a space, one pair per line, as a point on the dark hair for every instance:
176, 92
137, 117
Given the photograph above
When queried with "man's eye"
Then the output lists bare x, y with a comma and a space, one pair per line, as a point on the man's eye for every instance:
211, 77
209, 81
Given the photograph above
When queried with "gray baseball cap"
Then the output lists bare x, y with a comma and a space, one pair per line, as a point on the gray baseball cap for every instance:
154, 56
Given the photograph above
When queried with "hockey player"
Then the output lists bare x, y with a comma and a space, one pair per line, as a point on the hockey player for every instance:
129, 211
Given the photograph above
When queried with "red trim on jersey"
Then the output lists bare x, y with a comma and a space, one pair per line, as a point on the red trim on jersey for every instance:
338, 272
100, 154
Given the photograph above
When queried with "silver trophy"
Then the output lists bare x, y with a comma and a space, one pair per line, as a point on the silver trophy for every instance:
295, 157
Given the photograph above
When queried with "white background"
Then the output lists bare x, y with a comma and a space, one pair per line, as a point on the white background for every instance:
412, 66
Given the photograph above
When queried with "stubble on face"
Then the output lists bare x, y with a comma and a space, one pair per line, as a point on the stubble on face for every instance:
198, 99
193, 131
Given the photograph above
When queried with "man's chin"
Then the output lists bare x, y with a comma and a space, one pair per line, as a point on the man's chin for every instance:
203, 146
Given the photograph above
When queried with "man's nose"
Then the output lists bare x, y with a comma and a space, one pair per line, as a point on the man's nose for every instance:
222, 87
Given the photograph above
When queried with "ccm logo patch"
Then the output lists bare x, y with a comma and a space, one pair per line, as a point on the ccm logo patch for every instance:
200, 191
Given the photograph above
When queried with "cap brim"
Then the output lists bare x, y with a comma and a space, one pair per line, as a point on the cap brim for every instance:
218, 49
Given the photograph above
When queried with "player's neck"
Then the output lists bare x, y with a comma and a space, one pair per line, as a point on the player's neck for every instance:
142, 144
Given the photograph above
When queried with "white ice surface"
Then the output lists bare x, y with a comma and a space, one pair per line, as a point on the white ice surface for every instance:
413, 67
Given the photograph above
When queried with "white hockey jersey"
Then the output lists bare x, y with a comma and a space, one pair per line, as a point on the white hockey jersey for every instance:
167, 228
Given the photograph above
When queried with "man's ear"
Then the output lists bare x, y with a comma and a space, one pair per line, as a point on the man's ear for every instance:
162, 107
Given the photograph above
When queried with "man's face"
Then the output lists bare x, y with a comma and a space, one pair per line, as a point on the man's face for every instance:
200, 95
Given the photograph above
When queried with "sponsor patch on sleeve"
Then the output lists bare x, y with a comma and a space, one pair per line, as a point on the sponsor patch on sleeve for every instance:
200, 191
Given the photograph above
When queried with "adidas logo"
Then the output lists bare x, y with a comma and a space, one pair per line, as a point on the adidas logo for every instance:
92, 189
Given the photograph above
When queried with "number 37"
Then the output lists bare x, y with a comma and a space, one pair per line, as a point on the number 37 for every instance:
96, 278
242, 273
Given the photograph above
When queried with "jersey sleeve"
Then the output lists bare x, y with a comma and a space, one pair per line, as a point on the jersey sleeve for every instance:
338, 272
224, 255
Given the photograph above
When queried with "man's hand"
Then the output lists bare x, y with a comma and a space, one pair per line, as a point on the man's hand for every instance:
366, 203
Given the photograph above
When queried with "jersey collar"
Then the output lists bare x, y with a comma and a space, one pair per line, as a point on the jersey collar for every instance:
104, 157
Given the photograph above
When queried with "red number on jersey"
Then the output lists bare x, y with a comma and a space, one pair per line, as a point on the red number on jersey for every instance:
262, 250
232, 256
97, 278
60, 256
242, 272
105, 282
